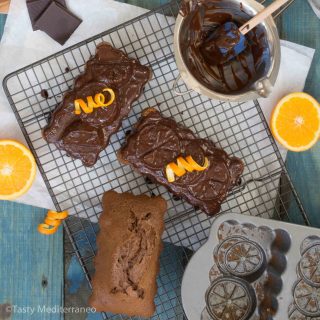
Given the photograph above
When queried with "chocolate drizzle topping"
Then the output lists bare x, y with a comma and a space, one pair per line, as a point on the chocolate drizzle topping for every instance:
84, 136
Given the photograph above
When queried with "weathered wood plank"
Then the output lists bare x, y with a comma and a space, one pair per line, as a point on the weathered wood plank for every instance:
304, 168
148, 4
299, 24
31, 264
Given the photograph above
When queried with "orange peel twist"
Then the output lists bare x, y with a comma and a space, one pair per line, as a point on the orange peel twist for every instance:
98, 101
183, 165
52, 222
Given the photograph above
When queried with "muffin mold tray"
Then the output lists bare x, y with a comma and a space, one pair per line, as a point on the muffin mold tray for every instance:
306, 290
254, 268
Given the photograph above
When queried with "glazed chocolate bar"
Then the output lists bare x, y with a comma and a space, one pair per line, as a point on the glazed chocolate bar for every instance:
158, 141
129, 246
83, 136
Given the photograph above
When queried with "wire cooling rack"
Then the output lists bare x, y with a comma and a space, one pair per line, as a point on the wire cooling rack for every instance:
239, 128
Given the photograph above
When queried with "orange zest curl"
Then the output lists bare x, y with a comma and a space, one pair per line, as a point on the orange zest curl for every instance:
52, 222
98, 101
182, 166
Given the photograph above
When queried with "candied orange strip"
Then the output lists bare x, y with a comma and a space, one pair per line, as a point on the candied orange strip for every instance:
178, 170
112, 96
57, 215
196, 166
47, 230
80, 104
184, 165
98, 101
52, 222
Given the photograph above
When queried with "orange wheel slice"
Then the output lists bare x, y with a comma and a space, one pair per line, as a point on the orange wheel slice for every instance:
17, 169
295, 121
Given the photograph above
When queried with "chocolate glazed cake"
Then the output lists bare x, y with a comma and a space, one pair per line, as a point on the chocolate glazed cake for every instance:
157, 141
84, 136
127, 262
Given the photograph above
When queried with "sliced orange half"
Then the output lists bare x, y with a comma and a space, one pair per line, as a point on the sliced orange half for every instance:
17, 169
295, 121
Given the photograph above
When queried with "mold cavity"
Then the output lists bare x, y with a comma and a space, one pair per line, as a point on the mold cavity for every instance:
282, 240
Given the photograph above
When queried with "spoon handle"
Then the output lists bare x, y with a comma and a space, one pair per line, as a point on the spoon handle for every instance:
258, 18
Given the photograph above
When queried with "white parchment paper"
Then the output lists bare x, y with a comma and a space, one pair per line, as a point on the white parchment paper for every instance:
21, 46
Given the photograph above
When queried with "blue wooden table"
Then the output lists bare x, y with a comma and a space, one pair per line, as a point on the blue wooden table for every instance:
31, 265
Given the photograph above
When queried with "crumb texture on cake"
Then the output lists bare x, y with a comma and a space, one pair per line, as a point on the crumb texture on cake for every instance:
84, 136
157, 141
133, 256
127, 261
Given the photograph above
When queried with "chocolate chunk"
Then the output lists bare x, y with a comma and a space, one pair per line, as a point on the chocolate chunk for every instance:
148, 180
158, 141
44, 94
67, 70
58, 22
37, 7
84, 136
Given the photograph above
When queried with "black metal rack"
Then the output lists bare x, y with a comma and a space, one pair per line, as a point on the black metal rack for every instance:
239, 128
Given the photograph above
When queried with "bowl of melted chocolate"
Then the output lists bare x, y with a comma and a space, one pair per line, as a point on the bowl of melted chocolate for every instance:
249, 75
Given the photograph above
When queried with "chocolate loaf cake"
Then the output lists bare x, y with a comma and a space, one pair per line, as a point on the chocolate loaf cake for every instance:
157, 141
83, 136
127, 262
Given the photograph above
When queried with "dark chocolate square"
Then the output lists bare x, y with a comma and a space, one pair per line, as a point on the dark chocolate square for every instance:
37, 7
58, 22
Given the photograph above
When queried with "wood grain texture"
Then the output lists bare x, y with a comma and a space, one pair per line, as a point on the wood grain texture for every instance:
299, 24
31, 264
3, 19
147, 4
4, 6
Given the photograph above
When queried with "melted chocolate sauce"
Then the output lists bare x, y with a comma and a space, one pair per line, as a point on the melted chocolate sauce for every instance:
236, 75
224, 44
